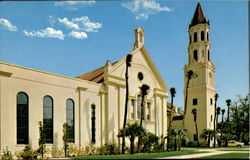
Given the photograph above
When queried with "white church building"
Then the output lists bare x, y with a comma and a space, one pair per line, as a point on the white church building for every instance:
93, 104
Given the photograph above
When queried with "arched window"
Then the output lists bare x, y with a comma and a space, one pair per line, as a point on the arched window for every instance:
139, 99
70, 118
207, 36
195, 37
208, 55
190, 39
48, 118
202, 36
195, 55
22, 119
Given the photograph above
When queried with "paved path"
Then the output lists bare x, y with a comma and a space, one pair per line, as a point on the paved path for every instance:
211, 152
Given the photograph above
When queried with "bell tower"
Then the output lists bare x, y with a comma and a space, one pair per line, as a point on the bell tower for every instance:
201, 86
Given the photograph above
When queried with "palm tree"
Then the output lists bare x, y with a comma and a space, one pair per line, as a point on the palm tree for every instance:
207, 134
222, 112
177, 136
128, 64
228, 101
218, 109
144, 91
194, 112
215, 97
189, 75
132, 131
172, 92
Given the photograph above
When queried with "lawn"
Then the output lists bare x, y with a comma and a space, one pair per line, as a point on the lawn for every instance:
142, 155
228, 156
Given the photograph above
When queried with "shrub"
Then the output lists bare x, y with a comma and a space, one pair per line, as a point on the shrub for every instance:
6, 155
56, 153
27, 153
150, 142
192, 144
90, 149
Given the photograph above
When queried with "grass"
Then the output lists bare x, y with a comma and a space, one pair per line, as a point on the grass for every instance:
142, 155
228, 156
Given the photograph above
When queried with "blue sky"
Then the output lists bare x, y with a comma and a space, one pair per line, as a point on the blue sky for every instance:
73, 38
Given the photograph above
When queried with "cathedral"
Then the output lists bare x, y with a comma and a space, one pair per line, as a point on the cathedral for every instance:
93, 104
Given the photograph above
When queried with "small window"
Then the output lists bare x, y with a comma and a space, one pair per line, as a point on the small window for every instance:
148, 113
195, 37
93, 140
190, 39
207, 36
132, 108
195, 101
202, 36
140, 76
208, 55
211, 101
70, 118
139, 99
211, 118
195, 55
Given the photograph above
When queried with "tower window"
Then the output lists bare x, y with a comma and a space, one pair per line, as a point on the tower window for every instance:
211, 117
190, 39
202, 35
70, 118
207, 36
195, 101
195, 37
132, 108
211, 101
208, 55
195, 55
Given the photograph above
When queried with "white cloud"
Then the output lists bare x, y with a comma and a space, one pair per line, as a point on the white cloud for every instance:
51, 20
46, 33
87, 25
74, 5
143, 8
81, 24
7, 24
68, 23
78, 35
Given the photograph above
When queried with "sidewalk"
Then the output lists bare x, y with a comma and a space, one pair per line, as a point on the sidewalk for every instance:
210, 153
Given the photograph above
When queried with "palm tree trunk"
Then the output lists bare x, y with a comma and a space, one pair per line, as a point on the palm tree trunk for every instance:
142, 116
214, 125
132, 141
196, 128
208, 141
228, 107
170, 123
186, 97
126, 110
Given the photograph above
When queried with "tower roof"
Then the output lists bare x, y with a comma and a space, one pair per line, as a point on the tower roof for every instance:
198, 17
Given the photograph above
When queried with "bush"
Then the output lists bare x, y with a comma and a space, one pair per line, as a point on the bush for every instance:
6, 155
90, 149
108, 149
27, 153
192, 144
150, 143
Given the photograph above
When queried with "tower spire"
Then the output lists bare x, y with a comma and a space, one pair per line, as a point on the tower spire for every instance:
199, 16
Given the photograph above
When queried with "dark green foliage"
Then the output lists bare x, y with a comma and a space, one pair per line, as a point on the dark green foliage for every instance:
42, 139
177, 136
6, 155
65, 139
28, 153
192, 144
150, 143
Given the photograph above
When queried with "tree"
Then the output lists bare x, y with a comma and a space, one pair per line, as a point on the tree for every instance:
172, 92
65, 139
41, 142
128, 64
150, 142
177, 136
194, 112
144, 91
190, 74
215, 105
228, 101
222, 112
207, 134
132, 131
